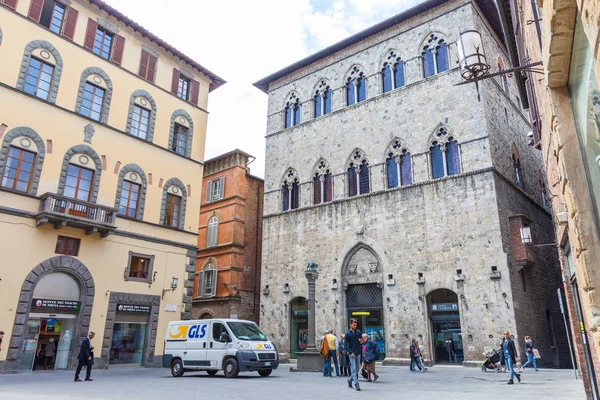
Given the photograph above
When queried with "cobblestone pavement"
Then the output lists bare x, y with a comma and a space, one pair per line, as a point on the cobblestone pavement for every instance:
394, 383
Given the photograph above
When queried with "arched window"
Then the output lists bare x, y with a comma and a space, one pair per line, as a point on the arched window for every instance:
398, 165
141, 115
292, 111
41, 69
322, 100
356, 87
444, 153
21, 159
208, 279
358, 174
212, 231
80, 176
131, 192
94, 94
174, 200
392, 72
434, 56
516, 159
181, 133
437, 161
290, 191
322, 183
452, 159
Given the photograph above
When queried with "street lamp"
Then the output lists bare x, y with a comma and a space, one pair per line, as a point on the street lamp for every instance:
473, 63
174, 282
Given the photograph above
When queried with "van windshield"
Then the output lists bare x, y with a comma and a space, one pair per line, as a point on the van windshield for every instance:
246, 331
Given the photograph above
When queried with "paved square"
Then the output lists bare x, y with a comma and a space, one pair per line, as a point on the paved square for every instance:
394, 382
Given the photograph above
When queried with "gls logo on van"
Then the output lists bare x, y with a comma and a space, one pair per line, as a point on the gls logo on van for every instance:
188, 332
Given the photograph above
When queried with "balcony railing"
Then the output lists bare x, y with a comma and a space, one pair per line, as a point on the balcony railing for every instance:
64, 211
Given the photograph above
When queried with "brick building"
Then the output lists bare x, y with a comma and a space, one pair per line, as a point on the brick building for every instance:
414, 198
564, 35
229, 240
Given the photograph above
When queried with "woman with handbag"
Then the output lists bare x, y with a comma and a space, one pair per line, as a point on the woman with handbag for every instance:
529, 353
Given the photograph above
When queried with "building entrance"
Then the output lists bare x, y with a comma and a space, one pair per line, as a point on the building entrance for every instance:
51, 323
365, 303
446, 333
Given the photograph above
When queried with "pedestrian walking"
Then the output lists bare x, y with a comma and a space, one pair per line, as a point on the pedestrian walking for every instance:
86, 357
342, 352
371, 354
331, 355
352, 341
529, 353
323, 349
510, 357
49, 354
415, 356
1, 336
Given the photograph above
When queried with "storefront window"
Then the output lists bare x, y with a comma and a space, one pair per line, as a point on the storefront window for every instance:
585, 100
128, 343
299, 328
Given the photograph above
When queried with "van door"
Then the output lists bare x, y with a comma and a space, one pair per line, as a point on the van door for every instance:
216, 347
195, 356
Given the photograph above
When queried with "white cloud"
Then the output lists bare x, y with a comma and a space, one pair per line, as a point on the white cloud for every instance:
244, 41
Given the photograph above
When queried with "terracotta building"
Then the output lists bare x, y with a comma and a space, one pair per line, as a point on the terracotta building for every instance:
102, 132
564, 36
229, 240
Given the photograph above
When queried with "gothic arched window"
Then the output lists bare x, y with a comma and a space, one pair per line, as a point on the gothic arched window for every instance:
358, 175
435, 56
290, 191
292, 111
444, 153
322, 184
516, 159
356, 87
398, 165
392, 72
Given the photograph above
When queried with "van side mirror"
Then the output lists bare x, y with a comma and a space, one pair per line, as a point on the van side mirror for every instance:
225, 337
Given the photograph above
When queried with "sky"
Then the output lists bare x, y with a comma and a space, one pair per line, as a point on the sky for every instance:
243, 41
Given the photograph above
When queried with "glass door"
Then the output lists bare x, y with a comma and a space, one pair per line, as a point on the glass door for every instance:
64, 344
371, 323
30, 344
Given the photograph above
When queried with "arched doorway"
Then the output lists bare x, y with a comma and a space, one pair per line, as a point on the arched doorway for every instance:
299, 325
361, 279
446, 334
55, 303
205, 316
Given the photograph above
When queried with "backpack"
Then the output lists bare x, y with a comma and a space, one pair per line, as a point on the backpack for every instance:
324, 347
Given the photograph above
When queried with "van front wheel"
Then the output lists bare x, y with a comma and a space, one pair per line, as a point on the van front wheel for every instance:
177, 368
264, 372
230, 368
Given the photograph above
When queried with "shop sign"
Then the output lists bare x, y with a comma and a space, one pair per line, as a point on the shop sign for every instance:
133, 308
62, 304
444, 307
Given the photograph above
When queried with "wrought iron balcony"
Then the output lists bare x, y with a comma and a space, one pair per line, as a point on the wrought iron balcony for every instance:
65, 211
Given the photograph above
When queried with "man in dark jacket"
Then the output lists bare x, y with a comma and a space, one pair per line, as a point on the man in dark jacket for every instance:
86, 357
510, 357
352, 339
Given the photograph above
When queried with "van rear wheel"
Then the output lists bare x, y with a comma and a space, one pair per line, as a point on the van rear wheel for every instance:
264, 372
177, 368
230, 368
212, 372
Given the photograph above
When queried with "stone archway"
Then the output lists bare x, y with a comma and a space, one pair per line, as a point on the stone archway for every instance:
446, 333
82, 275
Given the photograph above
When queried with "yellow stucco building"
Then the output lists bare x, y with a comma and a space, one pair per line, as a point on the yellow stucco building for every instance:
102, 134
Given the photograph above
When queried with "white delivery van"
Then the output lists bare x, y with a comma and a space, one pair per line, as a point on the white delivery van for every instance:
211, 345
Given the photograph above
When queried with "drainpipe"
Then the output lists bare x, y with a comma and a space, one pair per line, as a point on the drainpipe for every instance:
256, 261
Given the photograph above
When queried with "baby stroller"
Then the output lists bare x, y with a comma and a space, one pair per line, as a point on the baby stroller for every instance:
492, 360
